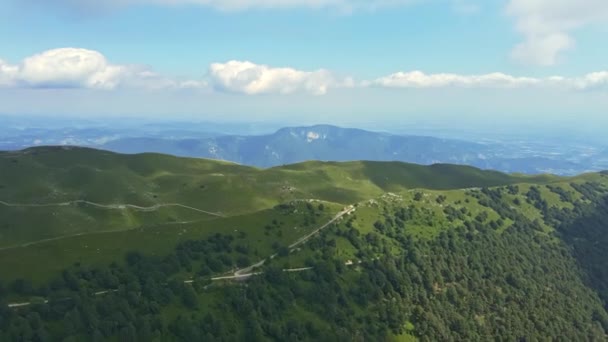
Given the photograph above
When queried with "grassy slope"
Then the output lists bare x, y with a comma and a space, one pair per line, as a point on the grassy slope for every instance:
40, 261
50, 175
56, 175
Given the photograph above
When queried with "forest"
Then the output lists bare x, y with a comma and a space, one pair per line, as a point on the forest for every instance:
489, 274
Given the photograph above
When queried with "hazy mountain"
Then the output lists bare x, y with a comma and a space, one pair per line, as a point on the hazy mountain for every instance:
321, 142
245, 144
330, 143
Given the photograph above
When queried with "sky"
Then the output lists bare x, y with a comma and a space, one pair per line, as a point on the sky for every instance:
465, 62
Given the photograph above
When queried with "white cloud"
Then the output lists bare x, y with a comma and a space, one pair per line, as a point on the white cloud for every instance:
7, 73
418, 79
594, 80
80, 68
547, 26
249, 78
69, 67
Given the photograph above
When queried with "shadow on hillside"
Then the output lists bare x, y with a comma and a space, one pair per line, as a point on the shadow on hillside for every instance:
587, 236
393, 176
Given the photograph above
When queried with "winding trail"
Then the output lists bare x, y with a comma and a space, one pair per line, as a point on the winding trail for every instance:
111, 206
248, 271
239, 274
98, 205
27, 244
247, 275
339, 215
37, 242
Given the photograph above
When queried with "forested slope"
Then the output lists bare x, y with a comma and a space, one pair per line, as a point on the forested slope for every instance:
515, 261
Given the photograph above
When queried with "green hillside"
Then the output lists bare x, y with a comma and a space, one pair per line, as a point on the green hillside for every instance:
53, 178
101, 246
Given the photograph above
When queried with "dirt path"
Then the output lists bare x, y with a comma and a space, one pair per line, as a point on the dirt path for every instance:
98, 205
305, 238
27, 244
111, 206
242, 273
249, 269
247, 275
46, 301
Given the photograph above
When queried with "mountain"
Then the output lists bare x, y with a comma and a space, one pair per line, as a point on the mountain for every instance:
96, 245
321, 142
330, 143
243, 144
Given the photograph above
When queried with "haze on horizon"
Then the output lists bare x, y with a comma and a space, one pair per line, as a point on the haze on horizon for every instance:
450, 63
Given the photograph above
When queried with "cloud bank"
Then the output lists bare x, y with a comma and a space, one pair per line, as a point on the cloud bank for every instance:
89, 69
82, 68
418, 79
547, 26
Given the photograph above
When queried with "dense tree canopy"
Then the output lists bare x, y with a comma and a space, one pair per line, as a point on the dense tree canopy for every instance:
488, 273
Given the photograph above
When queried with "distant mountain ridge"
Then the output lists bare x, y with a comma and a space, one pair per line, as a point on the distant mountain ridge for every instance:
297, 144
330, 143
532, 155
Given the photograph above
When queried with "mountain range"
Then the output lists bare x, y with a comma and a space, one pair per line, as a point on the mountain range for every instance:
260, 146
331, 143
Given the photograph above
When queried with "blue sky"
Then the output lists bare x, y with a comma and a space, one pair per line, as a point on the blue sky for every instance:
329, 60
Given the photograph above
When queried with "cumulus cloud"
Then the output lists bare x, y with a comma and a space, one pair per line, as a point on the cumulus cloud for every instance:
69, 67
82, 68
594, 80
79, 68
418, 79
547, 26
249, 78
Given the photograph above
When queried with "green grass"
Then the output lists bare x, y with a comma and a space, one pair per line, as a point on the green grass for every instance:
245, 195
41, 261
23, 225
54, 175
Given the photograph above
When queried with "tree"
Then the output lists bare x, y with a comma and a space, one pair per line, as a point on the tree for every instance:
188, 297
22, 286
243, 261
